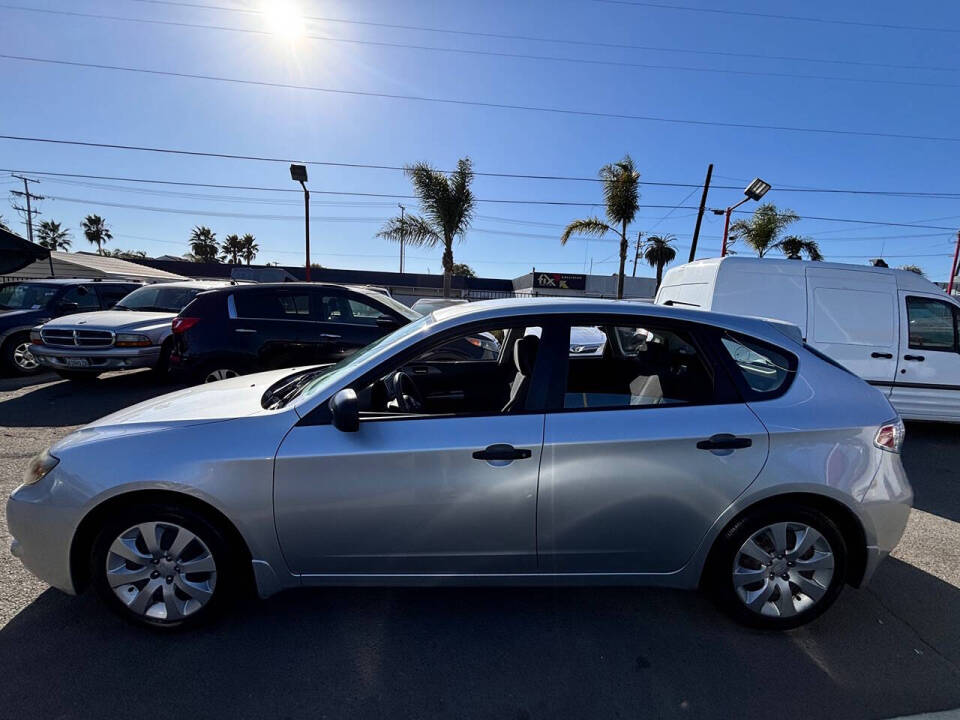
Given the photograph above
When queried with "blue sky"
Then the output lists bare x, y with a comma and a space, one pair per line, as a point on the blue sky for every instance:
55, 101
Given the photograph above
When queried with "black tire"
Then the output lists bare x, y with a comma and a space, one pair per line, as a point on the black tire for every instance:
726, 552
160, 370
77, 375
226, 582
10, 351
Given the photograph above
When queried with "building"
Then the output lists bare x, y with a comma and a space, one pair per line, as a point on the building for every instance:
90, 265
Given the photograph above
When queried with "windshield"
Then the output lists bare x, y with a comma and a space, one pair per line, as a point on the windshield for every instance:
25, 296
397, 306
158, 298
322, 378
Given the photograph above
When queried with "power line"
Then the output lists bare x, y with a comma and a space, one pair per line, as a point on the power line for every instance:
773, 16
498, 53
562, 41
482, 104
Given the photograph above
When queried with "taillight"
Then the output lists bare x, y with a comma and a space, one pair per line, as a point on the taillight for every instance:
35, 337
182, 324
890, 436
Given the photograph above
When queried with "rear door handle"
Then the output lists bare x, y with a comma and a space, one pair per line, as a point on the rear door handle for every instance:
724, 441
244, 330
501, 452
328, 336
918, 358
888, 356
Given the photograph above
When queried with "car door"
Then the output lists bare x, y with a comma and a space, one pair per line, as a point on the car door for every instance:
927, 385
423, 494
342, 323
643, 450
268, 326
77, 299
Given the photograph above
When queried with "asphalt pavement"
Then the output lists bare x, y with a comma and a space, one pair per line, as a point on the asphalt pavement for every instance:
889, 650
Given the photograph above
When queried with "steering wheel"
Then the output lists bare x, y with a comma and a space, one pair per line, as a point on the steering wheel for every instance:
407, 393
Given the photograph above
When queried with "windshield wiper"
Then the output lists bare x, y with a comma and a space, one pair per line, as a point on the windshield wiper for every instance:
279, 395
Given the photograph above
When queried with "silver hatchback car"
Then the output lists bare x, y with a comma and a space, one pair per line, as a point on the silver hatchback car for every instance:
700, 450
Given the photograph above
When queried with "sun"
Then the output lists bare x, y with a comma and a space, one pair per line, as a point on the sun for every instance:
283, 19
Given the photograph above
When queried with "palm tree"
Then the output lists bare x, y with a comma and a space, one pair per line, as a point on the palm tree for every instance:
96, 231
447, 204
203, 244
914, 269
762, 231
658, 252
621, 193
249, 248
3, 225
51, 236
231, 249
794, 246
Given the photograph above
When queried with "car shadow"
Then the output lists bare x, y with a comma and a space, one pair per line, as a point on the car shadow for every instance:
929, 457
482, 653
17, 382
64, 403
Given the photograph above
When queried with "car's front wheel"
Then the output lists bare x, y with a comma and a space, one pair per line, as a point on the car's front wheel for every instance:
779, 567
17, 357
162, 566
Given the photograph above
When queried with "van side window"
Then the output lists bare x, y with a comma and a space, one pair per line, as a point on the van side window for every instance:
932, 324
764, 369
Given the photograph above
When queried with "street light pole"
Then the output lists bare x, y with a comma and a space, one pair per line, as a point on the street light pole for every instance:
953, 266
298, 173
403, 232
726, 225
754, 191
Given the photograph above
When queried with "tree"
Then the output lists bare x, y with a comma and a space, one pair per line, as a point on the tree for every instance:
3, 225
125, 254
203, 244
762, 231
250, 248
96, 231
463, 270
53, 237
914, 269
794, 246
658, 252
232, 249
621, 193
447, 204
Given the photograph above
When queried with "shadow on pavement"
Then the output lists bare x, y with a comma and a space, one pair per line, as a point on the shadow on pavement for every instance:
65, 403
929, 456
8, 383
463, 653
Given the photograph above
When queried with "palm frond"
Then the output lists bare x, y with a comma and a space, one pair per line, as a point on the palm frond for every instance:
795, 246
412, 230
763, 230
659, 251
621, 190
589, 226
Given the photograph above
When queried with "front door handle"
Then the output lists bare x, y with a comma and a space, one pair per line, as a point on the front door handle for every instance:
501, 451
918, 358
244, 330
724, 441
888, 356
328, 336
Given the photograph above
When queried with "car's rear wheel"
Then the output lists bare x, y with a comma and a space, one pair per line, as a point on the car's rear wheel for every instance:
162, 566
17, 356
77, 375
779, 567
216, 373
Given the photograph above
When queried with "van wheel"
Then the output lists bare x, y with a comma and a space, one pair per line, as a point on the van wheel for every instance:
17, 357
162, 566
778, 567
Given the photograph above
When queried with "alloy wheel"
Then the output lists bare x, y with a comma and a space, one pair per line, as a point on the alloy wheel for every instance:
220, 374
783, 569
161, 571
24, 359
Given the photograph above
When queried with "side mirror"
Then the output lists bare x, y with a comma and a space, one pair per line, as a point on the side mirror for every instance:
387, 323
68, 307
345, 411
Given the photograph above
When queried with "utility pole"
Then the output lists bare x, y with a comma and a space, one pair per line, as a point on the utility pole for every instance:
27, 212
953, 266
703, 204
403, 231
636, 255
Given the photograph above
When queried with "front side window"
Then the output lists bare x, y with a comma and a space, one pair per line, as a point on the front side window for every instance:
764, 369
932, 324
638, 367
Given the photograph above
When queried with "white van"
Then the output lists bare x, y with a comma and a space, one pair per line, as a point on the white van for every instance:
895, 329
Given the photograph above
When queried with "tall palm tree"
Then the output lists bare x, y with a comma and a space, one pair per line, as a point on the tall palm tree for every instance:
659, 252
203, 244
794, 246
249, 248
96, 231
762, 231
53, 237
621, 193
232, 249
447, 204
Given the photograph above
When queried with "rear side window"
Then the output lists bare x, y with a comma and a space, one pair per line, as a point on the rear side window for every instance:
282, 305
933, 324
765, 370
83, 296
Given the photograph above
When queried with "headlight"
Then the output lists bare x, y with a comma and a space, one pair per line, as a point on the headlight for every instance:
39, 466
132, 340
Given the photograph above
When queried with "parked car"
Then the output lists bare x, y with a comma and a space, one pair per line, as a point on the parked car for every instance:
136, 333
26, 304
237, 330
720, 453
893, 328
425, 306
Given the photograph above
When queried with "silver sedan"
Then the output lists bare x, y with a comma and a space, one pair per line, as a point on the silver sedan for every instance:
718, 452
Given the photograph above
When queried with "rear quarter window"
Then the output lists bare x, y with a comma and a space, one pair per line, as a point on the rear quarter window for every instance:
765, 370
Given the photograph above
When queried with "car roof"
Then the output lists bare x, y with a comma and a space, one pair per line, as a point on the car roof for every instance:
774, 331
202, 284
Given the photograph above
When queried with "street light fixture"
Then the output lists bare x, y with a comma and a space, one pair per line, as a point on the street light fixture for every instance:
298, 173
755, 190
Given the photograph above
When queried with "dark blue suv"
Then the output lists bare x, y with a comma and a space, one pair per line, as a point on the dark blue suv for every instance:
26, 304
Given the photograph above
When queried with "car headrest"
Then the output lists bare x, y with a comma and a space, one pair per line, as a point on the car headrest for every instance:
525, 353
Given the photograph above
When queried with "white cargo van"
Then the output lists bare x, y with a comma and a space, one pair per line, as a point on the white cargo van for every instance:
893, 328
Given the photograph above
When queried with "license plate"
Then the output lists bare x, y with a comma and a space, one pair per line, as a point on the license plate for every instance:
77, 362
